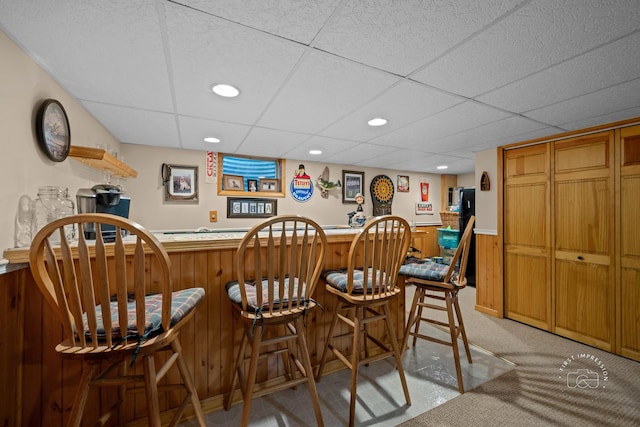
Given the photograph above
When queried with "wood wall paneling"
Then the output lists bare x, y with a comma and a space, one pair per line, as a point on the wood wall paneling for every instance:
628, 257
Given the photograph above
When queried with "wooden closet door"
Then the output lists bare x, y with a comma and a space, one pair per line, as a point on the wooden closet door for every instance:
628, 293
584, 236
527, 253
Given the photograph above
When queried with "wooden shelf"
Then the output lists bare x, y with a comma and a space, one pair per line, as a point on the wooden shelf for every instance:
100, 159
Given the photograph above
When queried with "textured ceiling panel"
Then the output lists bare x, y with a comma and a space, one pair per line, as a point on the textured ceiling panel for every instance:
607, 66
291, 19
404, 103
535, 37
133, 126
110, 53
269, 142
461, 117
620, 97
322, 90
194, 130
207, 50
401, 39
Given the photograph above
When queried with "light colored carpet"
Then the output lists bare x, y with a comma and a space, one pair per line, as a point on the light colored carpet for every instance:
556, 381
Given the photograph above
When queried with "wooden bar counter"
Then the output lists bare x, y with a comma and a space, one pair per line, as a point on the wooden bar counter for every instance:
45, 385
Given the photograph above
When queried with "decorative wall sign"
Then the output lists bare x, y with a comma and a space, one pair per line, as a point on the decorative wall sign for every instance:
424, 191
54, 134
423, 208
211, 167
180, 182
382, 194
325, 184
301, 188
352, 185
403, 183
251, 208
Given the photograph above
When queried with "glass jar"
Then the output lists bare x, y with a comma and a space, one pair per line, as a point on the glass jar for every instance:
52, 203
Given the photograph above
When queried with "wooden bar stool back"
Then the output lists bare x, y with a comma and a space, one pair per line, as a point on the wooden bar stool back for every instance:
437, 287
112, 313
364, 290
279, 262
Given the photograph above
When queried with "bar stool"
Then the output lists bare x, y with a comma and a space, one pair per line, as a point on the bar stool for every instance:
363, 291
112, 312
437, 284
279, 262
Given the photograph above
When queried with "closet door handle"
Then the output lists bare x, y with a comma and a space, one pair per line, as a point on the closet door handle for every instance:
580, 257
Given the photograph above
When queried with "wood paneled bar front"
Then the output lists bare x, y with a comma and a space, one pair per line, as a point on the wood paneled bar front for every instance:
43, 385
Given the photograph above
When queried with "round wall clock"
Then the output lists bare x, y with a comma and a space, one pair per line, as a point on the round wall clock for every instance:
53, 130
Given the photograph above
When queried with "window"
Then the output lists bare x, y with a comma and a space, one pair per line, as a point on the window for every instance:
241, 175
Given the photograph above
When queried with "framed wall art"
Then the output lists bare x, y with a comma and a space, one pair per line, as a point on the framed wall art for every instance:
269, 185
352, 184
180, 182
403, 183
242, 207
233, 182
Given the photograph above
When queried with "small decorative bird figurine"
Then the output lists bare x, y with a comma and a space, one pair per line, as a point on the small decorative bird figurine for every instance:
325, 185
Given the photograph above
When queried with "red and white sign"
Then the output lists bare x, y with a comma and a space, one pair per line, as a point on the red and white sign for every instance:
211, 167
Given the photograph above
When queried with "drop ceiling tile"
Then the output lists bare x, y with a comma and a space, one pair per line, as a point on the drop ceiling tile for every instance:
362, 152
467, 115
270, 142
328, 146
194, 130
534, 37
159, 128
291, 19
401, 36
622, 97
401, 104
509, 127
322, 90
606, 66
215, 51
110, 52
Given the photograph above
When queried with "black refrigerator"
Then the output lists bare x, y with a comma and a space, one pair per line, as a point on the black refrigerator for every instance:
468, 208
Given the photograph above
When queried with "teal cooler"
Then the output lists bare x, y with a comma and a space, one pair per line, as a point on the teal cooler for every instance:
448, 242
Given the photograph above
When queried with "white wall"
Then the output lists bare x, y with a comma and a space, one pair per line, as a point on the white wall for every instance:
149, 208
487, 201
24, 166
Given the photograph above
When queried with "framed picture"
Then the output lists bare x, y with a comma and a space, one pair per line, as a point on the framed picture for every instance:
180, 182
352, 184
251, 208
252, 185
403, 183
269, 184
233, 182
54, 134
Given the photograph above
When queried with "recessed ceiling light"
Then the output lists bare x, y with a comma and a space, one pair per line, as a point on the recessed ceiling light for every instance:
378, 121
442, 167
227, 91
315, 152
212, 139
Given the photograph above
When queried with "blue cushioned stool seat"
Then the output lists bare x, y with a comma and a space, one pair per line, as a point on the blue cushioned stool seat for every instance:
427, 270
182, 303
338, 279
233, 290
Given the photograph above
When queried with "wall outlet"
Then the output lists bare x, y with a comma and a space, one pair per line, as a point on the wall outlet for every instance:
213, 216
